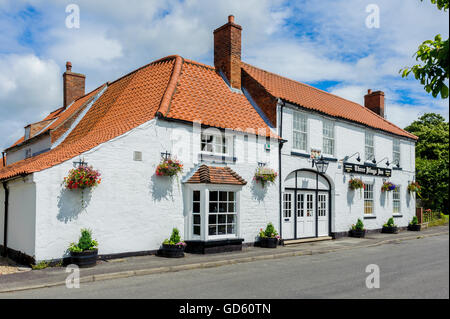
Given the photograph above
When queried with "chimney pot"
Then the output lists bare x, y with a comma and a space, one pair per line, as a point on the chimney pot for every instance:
231, 18
68, 66
369, 91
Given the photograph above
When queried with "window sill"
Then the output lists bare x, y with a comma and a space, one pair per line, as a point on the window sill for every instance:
216, 158
370, 217
300, 154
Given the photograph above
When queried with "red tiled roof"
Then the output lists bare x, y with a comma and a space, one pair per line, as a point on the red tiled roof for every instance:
170, 87
312, 98
216, 175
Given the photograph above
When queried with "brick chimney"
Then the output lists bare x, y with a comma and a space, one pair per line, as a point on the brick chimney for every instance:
73, 85
227, 51
374, 101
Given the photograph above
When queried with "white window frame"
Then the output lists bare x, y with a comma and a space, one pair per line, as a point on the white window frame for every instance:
205, 190
372, 184
396, 152
294, 130
397, 200
229, 144
366, 135
332, 138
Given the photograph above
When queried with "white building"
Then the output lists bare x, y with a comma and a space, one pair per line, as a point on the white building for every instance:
222, 123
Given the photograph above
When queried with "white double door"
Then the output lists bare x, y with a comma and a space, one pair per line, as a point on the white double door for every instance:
299, 214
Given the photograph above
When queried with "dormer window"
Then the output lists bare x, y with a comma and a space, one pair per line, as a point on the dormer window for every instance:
27, 132
28, 153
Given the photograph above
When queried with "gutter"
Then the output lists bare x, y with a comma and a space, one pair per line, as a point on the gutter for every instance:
5, 226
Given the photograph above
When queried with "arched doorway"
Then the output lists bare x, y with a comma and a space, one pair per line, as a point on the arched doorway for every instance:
306, 209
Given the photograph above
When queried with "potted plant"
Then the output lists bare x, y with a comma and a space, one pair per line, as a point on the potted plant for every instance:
388, 186
85, 252
169, 167
268, 238
390, 227
358, 230
414, 224
174, 246
414, 187
265, 175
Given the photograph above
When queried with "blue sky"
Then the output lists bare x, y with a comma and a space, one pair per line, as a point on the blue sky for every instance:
323, 43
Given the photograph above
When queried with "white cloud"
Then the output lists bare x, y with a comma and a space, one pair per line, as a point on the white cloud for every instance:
30, 88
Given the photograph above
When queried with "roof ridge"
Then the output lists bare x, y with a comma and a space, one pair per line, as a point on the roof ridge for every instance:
328, 93
166, 99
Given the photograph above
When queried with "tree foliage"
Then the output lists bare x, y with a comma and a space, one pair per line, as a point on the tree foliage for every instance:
433, 72
432, 160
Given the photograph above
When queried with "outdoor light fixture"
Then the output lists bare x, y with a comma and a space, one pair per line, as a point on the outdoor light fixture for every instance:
349, 157
387, 162
398, 163
374, 161
321, 165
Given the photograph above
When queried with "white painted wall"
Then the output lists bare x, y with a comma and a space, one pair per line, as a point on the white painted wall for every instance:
2, 212
133, 209
18, 154
347, 206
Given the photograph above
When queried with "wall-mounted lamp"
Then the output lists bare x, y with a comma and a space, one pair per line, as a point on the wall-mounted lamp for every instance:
345, 159
387, 162
397, 163
321, 164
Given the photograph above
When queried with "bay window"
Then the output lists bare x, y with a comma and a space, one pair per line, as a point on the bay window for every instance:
222, 213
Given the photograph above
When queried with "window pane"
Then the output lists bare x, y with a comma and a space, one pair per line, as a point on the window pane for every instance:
230, 229
223, 207
196, 230
231, 219
231, 196
213, 196
223, 196
231, 208
197, 196
222, 230
212, 230
196, 207
212, 219
222, 219
197, 219
213, 207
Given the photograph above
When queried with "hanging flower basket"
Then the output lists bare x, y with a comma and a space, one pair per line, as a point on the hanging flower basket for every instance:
355, 183
169, 167
388, 186
82, 177
414, 187
265, 175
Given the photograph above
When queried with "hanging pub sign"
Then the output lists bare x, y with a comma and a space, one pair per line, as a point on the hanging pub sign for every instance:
367, 170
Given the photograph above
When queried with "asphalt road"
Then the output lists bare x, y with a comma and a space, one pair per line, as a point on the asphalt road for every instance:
410, 269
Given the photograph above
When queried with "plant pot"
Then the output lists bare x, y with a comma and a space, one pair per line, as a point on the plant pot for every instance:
268, 242
172, 251
357, 233
416, 227
389, 230
84, 259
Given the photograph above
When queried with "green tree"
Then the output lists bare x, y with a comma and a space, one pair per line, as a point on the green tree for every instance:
432, 160
434, 71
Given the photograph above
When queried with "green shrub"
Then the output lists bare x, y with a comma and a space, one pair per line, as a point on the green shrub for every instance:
390, 223
358, 226
175, 238
414, 221
270, 231
85, 242
41, 265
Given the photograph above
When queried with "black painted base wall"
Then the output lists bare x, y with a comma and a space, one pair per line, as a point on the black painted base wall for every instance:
368, 231
18, 256
213, 246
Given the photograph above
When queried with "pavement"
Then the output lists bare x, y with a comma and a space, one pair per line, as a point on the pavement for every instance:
148, 265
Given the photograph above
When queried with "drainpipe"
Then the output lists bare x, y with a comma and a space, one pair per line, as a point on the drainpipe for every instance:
280, 146
5, 226
3, 159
